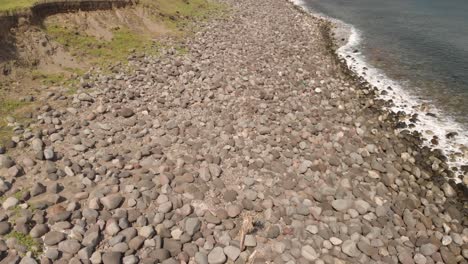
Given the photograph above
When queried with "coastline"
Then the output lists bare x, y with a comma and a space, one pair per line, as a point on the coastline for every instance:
387, 116
438, 129
257, 144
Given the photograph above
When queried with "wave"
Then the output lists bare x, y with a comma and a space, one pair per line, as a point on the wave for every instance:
432, 124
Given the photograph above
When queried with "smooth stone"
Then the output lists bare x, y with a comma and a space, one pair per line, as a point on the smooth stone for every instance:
112, 258
112, 201
350, 249
192, 225
216, 256
309, 253
232, 252
342, 204
70, 246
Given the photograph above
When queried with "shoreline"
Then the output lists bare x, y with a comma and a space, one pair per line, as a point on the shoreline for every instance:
438, 129
254, 145
381, 107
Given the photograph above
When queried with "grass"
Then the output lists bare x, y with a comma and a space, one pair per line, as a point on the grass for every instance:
177, 14
101, 52
27, 241
173, 14
64, 78
10, 5
10, 107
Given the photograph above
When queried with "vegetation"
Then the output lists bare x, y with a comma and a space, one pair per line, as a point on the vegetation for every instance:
101, 52
174, 15
27, 241
66, 78
10, 107
9, 5
177, 13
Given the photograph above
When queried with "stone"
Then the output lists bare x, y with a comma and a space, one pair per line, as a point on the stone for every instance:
204, 173
216, 256
405, 258
335, 241
309, 253
448, 190
112, 258
49, 154
96, 257
362, 206
233, 210
53, 238
173, 246
342, 204
230, 196
37, 144
367, 249
419, 259
192, 225
136, 242
38, 230
28, 260
313, 229
165, 207
201, 258
232, 252
250, 241
37, 189
273, 231
9, 203
428, 249
131, 259
146, 231
70, 246
349, 248
215, 170
5, 228
6, 162
112, 201
126, 112
91, 239
446, 240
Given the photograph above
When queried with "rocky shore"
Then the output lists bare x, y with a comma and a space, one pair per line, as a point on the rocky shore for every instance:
256, 146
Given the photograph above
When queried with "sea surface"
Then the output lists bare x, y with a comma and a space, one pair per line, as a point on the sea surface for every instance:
418, 48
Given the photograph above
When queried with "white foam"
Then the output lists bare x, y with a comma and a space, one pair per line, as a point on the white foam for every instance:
456, 148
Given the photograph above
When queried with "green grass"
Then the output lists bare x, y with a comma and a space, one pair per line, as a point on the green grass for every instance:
178, 13
10, 5
101, 52
19, 194
27, 241
173, 14
9, 107
65, 78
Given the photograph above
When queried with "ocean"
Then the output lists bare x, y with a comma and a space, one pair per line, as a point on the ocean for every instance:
416, 50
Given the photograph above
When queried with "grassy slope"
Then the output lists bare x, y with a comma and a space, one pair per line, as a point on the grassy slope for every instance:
8, 5
174, 14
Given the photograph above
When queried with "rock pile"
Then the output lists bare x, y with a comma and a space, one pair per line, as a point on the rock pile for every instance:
252, 148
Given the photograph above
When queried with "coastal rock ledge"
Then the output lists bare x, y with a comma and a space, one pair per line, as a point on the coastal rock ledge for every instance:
254, 146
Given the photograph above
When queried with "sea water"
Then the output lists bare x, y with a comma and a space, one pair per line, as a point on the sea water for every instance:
417, 51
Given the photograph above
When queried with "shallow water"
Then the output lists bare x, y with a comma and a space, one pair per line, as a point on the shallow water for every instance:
422, 43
